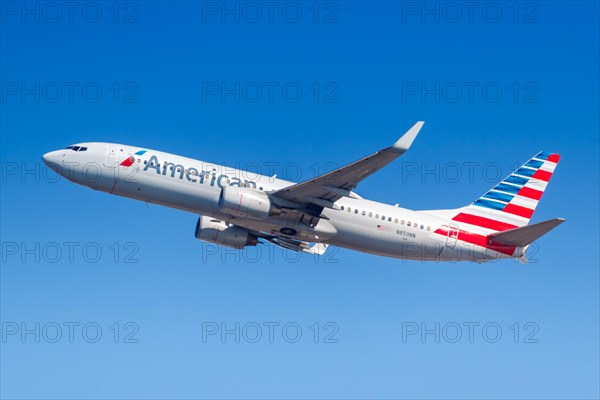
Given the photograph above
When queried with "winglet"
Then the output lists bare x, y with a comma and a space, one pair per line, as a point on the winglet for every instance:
406, 140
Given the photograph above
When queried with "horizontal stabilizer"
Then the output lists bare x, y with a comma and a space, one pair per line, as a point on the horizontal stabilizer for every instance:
524, 235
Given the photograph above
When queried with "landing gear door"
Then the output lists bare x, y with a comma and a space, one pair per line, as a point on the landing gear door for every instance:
452, 235
110, 159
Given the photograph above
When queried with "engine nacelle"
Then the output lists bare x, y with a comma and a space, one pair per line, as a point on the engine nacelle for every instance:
218, 232
247, 202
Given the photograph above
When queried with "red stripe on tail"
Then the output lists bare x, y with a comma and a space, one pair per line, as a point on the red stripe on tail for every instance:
542, 175
518, 210
530, 193
483, 222
479, 240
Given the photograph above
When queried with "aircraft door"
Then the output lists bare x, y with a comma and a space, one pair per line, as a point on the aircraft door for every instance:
452, 235
110, 159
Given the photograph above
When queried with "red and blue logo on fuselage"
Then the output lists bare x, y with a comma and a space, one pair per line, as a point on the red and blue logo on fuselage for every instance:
128, 162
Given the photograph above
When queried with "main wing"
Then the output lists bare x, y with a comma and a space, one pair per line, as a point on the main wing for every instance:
324, 190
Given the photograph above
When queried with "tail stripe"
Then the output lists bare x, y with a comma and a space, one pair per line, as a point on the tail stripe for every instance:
508, 188
530, 193
524, 202
483, 222
537, 184
518, 210
497, 215
548, 167
542, 175
542, 155
528, 172
490, 204
517, 180
478, 240
494, 195
512, 202
534, 164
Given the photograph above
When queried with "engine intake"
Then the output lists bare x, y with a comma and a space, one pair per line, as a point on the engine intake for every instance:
218, 232
247, 202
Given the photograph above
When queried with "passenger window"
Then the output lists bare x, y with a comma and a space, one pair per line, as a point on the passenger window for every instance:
383, 217
421, 226
364, 213
389, 219
342, 207
356, 211
395, 220
408, 223
370, 214
145, 161
402, 222
349, 209
428, 228
376, 215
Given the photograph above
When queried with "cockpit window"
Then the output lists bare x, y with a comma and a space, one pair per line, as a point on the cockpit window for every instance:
76, 148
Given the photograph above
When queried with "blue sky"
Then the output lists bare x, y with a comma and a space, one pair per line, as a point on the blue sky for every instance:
299, 89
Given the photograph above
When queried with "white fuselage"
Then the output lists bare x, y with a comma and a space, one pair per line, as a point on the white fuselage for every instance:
195, 186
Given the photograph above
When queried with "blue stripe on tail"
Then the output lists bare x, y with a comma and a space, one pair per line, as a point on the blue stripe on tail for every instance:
489, 204
498, 196
516, 180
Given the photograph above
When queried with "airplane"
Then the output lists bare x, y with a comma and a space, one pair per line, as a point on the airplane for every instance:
236, 211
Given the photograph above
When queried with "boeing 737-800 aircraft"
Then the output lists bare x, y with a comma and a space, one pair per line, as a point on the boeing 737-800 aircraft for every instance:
308, 216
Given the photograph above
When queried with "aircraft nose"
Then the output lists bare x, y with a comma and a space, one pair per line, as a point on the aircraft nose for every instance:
52, 159
49, 158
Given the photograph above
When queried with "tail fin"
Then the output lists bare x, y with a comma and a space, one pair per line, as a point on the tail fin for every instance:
511, 203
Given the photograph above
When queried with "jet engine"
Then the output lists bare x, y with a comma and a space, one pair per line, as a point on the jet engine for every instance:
247, 202
218, 232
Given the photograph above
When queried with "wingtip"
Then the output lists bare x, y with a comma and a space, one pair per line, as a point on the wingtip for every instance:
407, 139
